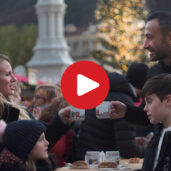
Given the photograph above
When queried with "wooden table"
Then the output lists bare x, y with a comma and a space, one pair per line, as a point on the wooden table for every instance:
132, 167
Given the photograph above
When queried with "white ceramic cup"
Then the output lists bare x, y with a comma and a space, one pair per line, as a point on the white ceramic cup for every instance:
113, 156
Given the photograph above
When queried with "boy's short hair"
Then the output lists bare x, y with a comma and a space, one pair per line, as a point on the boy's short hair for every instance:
159, 85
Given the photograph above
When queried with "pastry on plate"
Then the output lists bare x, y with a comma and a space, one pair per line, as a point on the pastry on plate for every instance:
80, 164
107, 164
134, 160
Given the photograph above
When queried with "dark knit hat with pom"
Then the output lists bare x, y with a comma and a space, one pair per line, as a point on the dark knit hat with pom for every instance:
21, 136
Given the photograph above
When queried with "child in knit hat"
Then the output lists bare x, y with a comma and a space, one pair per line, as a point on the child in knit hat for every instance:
24, 144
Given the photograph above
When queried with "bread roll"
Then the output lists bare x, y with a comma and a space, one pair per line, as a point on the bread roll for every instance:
134, 160
107, 164
80, 164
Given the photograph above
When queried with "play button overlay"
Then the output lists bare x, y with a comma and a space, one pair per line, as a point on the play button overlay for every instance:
84, 84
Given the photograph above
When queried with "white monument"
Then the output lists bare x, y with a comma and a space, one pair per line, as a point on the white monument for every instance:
51, 55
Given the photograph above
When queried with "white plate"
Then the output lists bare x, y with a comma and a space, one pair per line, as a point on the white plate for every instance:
117, 168
108, 168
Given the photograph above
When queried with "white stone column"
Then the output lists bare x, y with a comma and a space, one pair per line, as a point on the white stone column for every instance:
51, 23
90, 45
42, 26
51, 55
80, 47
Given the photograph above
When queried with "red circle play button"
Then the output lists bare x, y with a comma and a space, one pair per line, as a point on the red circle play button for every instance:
84, 84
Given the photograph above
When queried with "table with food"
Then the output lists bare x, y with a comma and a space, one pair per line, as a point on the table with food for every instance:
131, 164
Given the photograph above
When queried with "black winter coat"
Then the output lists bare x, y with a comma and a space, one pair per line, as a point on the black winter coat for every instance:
10, 162
11, 167
43, 166
106, 134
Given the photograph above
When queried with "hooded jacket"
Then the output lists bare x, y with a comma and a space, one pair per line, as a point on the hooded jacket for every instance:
107, 134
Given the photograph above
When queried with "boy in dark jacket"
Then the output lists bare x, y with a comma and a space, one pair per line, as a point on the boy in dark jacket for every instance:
157, 93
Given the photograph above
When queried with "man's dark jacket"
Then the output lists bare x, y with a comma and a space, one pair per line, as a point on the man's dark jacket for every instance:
159, 68
106, 134
137, 114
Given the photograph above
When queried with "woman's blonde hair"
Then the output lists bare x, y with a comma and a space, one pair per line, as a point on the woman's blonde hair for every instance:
57, 103
22, 113
4, 58
1, 105
29, 165
8, 100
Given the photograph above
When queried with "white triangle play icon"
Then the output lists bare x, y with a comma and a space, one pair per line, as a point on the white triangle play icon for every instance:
84, 85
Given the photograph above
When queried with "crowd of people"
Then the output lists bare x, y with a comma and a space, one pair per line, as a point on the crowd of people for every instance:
43, 136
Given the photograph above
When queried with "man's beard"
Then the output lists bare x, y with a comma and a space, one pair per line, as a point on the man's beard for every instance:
161, 53
157, 57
